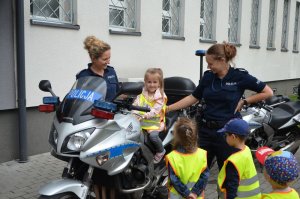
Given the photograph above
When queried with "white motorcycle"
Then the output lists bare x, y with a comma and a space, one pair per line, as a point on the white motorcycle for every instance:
103, 143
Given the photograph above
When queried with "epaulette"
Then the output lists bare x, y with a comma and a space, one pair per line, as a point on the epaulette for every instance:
242, 70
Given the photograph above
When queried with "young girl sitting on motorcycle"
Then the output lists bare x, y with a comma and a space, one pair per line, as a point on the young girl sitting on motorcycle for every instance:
153, 97
187, 164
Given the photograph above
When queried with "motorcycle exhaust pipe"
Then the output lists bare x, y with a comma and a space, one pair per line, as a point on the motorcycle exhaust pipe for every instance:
136, 189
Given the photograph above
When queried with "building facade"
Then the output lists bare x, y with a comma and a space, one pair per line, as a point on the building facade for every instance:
142, 34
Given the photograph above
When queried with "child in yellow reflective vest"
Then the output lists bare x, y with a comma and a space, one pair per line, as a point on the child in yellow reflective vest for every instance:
153, 97
281, 169
187, 164
238, 177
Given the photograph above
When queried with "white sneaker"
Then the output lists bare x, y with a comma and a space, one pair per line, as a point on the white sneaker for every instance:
158, 156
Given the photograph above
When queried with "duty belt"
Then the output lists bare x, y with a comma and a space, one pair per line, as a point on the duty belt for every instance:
213, 124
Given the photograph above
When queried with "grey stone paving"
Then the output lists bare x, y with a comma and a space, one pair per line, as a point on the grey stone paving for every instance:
22, 180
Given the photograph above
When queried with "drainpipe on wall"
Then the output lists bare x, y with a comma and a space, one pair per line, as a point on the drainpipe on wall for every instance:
21, 81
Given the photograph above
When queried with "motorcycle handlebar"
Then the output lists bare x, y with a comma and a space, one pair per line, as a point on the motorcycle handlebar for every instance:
130, 107
139, 108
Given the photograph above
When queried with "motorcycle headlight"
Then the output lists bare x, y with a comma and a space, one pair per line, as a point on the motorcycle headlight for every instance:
77, 140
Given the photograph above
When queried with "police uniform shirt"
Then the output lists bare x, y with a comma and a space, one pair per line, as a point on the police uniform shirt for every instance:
110, 77
221, 96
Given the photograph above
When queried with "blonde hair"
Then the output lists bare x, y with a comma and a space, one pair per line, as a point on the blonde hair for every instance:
160, 75
186, 135
95, 47
224, 50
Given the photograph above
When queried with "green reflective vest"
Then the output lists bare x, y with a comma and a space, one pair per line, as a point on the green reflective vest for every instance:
187, 167
292, 194
248, 184
153, 123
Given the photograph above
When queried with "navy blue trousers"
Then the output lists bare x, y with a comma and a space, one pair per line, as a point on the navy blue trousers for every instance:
215, 145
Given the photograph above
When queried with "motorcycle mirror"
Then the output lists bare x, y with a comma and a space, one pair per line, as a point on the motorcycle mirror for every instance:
45, 86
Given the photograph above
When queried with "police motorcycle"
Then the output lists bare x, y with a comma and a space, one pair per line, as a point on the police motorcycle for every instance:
102, 142
275, 126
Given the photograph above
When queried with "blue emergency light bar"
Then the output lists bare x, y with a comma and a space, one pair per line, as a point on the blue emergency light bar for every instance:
200, 52
51, 100
103, 105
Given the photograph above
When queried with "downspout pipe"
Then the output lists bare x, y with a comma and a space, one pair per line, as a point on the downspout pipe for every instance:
21, 81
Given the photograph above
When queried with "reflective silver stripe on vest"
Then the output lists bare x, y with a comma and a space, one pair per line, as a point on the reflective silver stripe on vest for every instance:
246, 194
249, 181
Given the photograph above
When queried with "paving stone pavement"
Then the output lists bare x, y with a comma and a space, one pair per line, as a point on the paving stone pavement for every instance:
22, 180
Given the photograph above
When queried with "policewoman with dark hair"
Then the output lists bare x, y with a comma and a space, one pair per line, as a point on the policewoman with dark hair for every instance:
100, 53
221, 90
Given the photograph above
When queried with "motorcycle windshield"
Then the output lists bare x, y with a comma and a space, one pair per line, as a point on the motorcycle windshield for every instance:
77, 104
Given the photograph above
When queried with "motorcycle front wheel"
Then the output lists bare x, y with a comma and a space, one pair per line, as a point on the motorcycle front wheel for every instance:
60, 196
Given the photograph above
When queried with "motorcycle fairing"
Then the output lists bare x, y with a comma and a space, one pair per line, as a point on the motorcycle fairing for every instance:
64, 186
77, 104
120, 145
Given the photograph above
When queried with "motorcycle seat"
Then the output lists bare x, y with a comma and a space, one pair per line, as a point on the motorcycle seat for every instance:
283, 113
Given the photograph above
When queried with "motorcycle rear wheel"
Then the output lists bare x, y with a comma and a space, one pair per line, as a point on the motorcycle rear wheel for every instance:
60, 196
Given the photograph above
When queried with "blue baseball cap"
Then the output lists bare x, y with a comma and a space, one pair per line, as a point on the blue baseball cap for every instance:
236, 126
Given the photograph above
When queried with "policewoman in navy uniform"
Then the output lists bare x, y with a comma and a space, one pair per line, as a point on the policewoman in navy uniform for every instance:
221, 90
99, 52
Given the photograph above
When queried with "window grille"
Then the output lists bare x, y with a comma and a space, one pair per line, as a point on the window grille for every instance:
254, 33
53, 11
272, 24
285, 25
234, 21
171, 17
296, 28
207, 19
123, 15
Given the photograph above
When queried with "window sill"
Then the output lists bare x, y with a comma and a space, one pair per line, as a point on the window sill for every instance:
115, 32
295, 51
236, 44
49, 24
271, 48
207, 41
254, 47
173, 37
284, 50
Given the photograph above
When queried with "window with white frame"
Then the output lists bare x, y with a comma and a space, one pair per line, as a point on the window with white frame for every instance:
296, 28
285, 25
207, 20
53, 11
172, 17
272, 24
123, 15
255, 23
234, 21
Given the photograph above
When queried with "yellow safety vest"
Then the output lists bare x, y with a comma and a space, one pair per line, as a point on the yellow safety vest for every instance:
187, 167
153, 123
281, 195
249, 183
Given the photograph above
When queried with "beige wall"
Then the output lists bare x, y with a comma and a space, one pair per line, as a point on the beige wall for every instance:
57, 54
